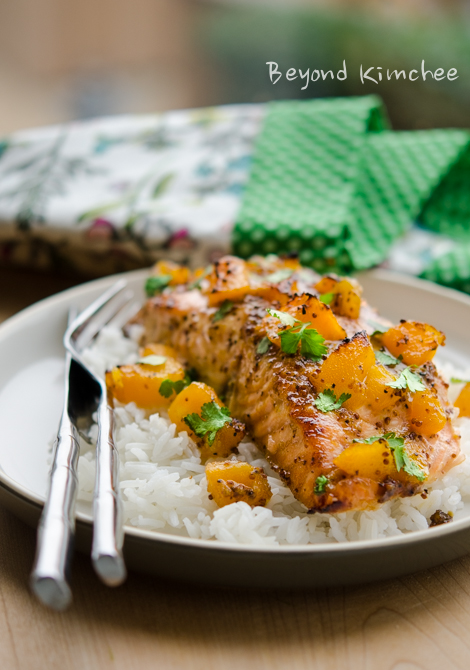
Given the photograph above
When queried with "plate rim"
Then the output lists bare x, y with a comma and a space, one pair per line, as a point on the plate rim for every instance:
11, 487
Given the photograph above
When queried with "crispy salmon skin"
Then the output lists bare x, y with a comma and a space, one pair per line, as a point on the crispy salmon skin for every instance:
321, 381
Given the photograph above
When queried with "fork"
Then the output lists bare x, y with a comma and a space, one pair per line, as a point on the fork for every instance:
108, 534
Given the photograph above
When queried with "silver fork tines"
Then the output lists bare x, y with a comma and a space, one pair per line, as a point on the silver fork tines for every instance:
107, 530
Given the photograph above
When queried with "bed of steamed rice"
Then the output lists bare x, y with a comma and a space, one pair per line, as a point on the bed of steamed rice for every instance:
163, 484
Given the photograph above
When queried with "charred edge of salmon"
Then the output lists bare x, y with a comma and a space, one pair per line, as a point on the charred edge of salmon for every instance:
386, 490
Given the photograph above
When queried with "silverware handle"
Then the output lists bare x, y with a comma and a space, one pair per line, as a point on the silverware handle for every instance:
108, 534
49, 577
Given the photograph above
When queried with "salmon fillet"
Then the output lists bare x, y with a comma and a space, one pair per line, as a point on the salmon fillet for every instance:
274, 394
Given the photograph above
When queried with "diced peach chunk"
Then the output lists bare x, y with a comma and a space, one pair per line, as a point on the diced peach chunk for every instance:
346, 299
373, 461
327, 284
346, 367
425, 413
141, 383
229, 280
309, 309
179, 273
232, 481
463, 401
376, 391
191, 401
414, 341
272, 294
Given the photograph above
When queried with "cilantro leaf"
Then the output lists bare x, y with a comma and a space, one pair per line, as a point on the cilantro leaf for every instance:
408, 379
263, 345
212, 419
379, 329
371, 440
327, 298
223, 310
311, 341
320, 484
393, 440
168, 386
279, 275
386, 359
156, 284
284, 318
290, 339
152, 360
327, 402
455, 380
312, 344
400, 455
410, 466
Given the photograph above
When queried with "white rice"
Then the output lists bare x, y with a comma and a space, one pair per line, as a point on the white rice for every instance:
163, 484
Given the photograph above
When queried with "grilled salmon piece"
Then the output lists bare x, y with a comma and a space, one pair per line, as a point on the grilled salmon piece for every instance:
276, 395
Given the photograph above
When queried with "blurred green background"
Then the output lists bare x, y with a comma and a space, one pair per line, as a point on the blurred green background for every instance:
62, 61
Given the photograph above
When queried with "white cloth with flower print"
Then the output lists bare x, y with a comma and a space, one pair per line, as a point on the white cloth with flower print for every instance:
115, 193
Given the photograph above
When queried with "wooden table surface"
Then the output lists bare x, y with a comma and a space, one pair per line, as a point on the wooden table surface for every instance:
421, 621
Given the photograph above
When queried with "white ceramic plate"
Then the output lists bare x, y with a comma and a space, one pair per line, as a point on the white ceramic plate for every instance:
31, 369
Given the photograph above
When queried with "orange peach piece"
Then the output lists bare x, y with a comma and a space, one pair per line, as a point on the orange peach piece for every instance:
347, 300
190, 401
179, 273
141, 383
425, 413
232, 481
414, 341
376, 391
272, 294
373, 461
226, 441
346, 367
463, 401
327, 284
229, 280
309, 309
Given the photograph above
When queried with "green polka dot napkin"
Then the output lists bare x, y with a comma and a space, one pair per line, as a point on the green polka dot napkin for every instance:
330, 180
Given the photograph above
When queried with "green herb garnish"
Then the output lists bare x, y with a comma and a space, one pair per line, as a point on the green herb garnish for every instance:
284, 318
263, 345
223, 310
408, 379
400, 455
320, 484
327, 298
279, 275
327, 402
156, 284
386, 359
152, 360
212, 419
378, 328
167, 387
311, 342
455, 380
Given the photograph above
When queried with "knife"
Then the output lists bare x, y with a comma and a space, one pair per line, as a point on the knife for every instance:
50, 574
